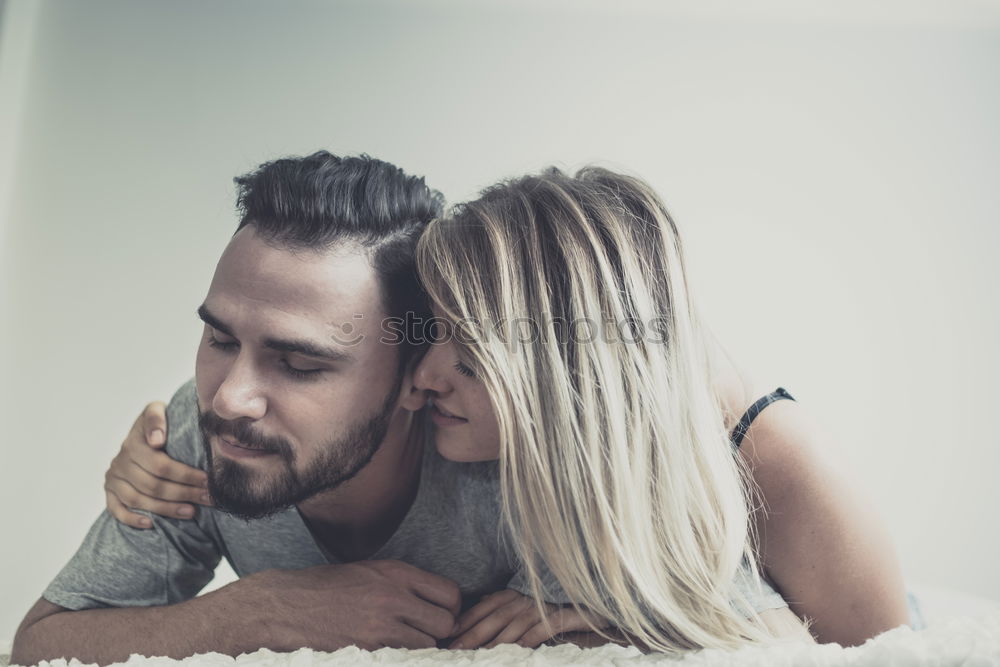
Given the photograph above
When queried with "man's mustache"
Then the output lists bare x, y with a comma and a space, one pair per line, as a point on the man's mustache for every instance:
242, 432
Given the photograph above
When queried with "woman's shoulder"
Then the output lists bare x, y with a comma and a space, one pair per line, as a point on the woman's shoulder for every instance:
783, 435
735, 388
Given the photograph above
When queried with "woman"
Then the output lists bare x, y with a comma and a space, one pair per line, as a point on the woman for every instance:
575, 357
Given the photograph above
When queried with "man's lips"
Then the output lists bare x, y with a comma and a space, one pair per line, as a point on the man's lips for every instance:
236, 443
239, 450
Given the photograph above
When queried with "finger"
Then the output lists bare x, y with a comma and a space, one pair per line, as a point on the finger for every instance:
154, 424
133, 499
484, 608
534, 636
479, 634
122, 513
163, 489
407, 636
433, 588
516, 628
426, 617
488, 628
565, 619
120, 463
159, 464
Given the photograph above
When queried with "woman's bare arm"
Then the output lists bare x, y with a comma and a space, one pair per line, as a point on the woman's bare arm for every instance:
822, 542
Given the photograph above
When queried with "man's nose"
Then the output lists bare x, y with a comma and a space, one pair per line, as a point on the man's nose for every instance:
240, 394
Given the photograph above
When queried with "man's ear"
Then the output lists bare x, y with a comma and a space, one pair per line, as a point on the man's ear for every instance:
411, 398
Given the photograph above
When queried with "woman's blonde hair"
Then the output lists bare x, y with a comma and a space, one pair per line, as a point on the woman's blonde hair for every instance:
569, 299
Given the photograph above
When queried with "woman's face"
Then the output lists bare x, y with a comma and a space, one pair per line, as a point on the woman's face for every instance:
466, 428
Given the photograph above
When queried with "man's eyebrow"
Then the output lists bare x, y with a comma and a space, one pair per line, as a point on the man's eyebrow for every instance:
308, 348
213, 321
305, 347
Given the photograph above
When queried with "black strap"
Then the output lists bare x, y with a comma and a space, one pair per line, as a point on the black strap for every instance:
741, 429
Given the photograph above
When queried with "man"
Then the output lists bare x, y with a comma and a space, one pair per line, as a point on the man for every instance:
312, 464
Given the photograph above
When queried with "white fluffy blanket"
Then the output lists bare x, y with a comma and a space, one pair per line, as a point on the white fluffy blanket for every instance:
967, 640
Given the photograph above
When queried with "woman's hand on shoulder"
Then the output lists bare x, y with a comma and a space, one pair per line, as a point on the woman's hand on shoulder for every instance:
142, 476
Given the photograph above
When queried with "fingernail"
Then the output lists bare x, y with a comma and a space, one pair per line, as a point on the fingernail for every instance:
456, 646
156, 436
204, 482
185, 511
145, 523
206, 499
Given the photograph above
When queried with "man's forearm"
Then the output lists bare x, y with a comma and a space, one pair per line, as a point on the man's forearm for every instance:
216, 621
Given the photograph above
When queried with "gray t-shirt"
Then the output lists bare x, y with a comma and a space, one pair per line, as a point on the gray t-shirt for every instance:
453, 529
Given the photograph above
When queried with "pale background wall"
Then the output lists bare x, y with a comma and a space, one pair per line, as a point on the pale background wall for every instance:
834, 168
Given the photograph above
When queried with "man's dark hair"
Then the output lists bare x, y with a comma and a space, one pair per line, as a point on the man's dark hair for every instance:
321, 200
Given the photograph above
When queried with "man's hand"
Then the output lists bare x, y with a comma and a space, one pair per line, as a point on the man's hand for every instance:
143, 476
507, 617
370, 604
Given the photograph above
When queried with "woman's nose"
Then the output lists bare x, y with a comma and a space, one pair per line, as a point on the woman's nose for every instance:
431, 374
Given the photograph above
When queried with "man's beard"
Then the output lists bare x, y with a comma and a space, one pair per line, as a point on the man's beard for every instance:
248, 494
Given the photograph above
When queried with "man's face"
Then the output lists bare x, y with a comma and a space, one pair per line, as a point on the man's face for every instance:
292, 404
